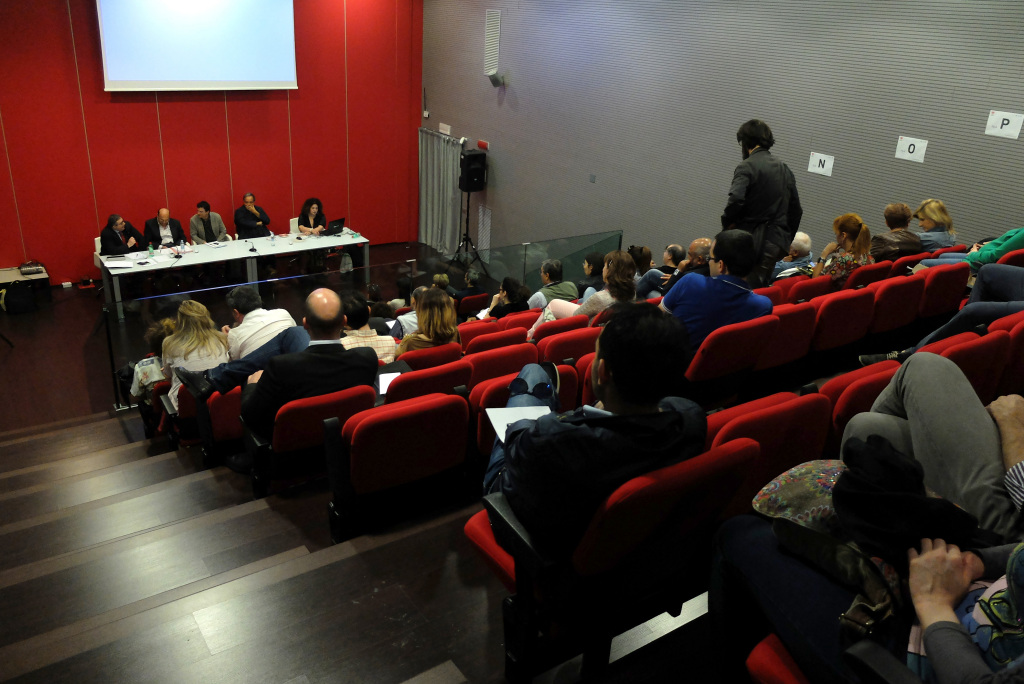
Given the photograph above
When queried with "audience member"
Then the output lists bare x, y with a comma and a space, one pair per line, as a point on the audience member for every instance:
798, 260
900, 240
322, 368
254, 326
163, 231
407, 323
553, 287
196, 345
206, 226
935, 224
762, 200
558, 469
981, 253
437, 324
658, 281
850, 250
250, 220
619, 287
149, 371
705, 304
511, 298
472, 280
440, 281
358, 332
593, 264
120, 237
312, 220
642, 259
997, 292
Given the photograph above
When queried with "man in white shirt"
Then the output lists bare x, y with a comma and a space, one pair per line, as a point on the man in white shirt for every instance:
254, 325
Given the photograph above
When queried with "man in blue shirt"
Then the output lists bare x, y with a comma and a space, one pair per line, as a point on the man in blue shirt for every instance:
706, 304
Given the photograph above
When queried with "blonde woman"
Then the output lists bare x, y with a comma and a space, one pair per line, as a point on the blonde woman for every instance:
936, 225
851, 250
435, 312
196, 345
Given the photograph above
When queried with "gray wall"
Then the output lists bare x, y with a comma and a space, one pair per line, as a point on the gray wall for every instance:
646, 96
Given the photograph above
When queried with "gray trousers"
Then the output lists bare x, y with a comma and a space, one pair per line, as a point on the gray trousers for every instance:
930, 412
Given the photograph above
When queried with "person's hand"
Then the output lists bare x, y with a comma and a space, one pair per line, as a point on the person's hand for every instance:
939, 578
132, 242
787, 258
226, 329
664, 278
1008, 413
255, 377
1009, 408
829, 249
252, 209
975, 247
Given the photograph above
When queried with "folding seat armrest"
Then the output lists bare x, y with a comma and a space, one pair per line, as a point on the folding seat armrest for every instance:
251, 439
514, 538
339, 470
875, 665
168, 405
462, 391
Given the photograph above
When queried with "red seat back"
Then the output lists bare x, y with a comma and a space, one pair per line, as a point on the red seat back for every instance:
732, 348
792, 339
491, 364
771, 663
186, 403
438, 421
568, 345
902, 266
224, 412
787, 284
675, 503
439, 379
940, 346
896, 303
402, 310
843, 318
1007, 323
300, 423
602, 318
789, 433
493, 393
948, 250
807, 290
495, 340
983, 361
473, 304
863, 276
1012, 379
1014, 258
526, 319
470, 330
586, 389
774, 293
857, 397
943, 288
719, 419
418, 359
559, 326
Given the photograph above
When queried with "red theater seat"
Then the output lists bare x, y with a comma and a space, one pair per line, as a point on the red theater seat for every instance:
792, 339
787, 284
568, 346
983, 361
496, 340
810, 289
843, 318
562, 325
774, 293
472, 329
897, 301
943, 288
732, 349
491, 364
863, 276
1014, 258
949, 250
902, 266
439, 379
473, 304
853, 393
418, 359
525, 319
586, 389
770, 663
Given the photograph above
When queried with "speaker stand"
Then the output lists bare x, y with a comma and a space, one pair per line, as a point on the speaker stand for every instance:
466, 246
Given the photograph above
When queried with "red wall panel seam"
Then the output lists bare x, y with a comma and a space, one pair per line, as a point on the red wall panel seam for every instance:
227, 136
291, 160
160, 137
14, 194
85, 130
348, 115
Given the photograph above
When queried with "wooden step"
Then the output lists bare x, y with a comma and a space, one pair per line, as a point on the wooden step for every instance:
308, 614
52, 427
31, 450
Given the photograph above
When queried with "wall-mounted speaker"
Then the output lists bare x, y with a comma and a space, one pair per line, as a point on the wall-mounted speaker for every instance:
472, 170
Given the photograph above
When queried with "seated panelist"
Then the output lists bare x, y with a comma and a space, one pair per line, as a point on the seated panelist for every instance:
120, 237
164, 231
312, 220
250, 220
207, 226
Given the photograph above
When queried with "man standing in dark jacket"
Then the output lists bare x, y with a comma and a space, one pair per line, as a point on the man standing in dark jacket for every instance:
557, 470
762, 200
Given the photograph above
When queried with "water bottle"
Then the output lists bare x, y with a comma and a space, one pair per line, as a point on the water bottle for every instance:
151, 250
181, 246
272, 241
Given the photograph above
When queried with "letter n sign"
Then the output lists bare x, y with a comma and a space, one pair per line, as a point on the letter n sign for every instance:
821, 163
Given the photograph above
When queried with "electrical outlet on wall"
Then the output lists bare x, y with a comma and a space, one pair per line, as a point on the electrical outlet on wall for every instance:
445, 128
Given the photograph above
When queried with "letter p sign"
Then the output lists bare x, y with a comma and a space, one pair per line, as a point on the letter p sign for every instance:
1004, 124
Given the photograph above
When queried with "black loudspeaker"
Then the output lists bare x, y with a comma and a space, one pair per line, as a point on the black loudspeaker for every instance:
473, 170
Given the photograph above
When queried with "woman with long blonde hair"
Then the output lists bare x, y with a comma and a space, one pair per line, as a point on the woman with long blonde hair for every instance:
935, 224
196, 345
851, 250
435, 313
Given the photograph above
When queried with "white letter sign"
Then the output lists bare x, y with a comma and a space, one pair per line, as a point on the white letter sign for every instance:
821, 163
1004, 124
911, 149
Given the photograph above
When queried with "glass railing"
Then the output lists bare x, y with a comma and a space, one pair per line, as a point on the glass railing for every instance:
148, 297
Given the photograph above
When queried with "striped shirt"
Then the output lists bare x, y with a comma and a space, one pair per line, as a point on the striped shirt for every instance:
384, 345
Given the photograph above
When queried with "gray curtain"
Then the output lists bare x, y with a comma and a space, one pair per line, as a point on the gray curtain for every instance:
440, 201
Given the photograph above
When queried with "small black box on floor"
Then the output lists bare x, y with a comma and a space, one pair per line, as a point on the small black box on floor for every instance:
473, 170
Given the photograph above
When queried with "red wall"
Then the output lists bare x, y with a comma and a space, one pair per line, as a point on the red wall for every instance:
71, 154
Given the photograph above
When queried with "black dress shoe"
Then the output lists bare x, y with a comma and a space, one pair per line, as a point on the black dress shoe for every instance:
196, 383
240, 463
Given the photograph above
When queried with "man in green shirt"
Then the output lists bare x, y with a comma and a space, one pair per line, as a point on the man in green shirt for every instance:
553, 286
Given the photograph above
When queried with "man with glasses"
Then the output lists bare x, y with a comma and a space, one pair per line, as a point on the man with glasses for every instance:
658, 281
556, 470
120, 237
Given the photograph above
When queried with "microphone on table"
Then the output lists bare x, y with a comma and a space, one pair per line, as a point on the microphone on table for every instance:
252, 247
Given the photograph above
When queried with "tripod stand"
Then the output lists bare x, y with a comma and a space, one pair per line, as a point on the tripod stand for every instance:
466, 246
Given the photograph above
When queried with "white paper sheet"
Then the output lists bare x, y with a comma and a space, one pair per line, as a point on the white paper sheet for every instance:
1004, 124
119, 264
911, 149
501, 418
385, 381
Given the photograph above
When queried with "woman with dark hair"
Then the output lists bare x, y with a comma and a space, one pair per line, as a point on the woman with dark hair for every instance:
312, 220
511, 298
851, 250
620, 286
642, 258
435, 314
593, 264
